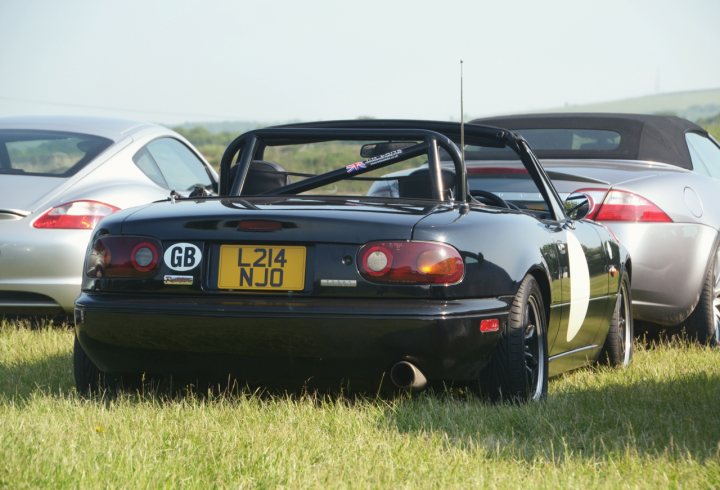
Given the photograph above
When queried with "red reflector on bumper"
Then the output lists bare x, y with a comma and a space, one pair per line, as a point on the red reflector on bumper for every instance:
490, 325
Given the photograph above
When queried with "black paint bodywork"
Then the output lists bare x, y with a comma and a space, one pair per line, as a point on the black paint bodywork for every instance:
143, 325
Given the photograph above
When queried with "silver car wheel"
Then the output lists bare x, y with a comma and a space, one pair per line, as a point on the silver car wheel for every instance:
703, 324
716, 296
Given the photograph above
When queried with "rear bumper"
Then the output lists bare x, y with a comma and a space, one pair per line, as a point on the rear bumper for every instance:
669, 262
40, 270
264, 340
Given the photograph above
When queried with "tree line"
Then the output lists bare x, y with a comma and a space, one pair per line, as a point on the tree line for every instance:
213, 144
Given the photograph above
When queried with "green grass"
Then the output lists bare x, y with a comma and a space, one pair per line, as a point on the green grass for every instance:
654, 425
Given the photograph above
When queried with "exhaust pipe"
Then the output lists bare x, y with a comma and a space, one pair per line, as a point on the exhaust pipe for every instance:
407, 376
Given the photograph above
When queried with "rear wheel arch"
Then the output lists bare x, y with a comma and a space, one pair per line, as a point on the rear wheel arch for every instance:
628, 268
541, 277
703, 324
709, 263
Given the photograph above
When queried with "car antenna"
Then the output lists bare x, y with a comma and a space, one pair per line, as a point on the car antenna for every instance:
465, 208
462, 118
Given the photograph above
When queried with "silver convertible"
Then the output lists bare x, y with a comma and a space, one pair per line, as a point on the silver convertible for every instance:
654, 181
58, 177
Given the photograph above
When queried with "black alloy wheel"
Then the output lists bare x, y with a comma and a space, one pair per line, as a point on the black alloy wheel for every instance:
618, 347
518, 371
534, 349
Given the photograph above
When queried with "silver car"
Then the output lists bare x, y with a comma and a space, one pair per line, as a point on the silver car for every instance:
59, 176
653, 180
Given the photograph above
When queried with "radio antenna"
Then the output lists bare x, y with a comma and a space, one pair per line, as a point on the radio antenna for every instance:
462, 117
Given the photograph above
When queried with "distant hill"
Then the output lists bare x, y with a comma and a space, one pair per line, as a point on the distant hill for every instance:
712, 125
694, 105
235, 127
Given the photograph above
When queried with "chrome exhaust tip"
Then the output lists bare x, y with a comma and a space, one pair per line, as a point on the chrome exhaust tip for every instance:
406, 375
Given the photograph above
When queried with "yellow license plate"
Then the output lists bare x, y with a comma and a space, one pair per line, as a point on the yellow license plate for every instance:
262, 267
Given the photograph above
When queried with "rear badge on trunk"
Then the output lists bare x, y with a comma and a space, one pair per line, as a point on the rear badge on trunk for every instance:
339, 283
172, 280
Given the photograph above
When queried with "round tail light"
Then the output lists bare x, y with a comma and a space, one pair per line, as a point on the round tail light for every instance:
144, 256
409, 262
376, 260
123, 257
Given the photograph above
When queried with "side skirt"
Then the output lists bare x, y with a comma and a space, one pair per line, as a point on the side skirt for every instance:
572, 359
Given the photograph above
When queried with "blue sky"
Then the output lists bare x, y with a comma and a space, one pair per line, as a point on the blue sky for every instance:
173, 61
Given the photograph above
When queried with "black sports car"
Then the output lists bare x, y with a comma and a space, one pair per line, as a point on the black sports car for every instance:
362, 251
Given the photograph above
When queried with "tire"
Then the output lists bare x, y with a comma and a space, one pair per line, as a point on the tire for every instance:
518, 371
618, 348
89, 379
703, 324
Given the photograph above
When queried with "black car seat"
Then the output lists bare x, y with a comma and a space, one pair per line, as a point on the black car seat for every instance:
418, 185
262, 176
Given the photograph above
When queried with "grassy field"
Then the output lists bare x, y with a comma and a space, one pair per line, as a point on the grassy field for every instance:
654, 425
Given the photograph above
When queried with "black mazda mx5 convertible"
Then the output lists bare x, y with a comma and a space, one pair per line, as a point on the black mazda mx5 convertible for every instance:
373, 253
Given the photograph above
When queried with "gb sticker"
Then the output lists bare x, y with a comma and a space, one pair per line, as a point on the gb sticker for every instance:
182, 256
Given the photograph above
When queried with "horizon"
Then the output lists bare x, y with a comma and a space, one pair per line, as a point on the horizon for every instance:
692, 112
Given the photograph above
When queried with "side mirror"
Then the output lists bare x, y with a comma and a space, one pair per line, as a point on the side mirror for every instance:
577, 206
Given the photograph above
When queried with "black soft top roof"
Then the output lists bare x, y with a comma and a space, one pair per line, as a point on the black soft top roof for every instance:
643, 136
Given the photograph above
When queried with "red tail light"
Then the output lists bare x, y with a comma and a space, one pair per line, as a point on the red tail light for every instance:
410, 263
123, 256
76, 215
626, 206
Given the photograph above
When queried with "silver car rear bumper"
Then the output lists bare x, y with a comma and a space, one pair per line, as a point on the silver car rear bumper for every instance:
669, 262
40, 270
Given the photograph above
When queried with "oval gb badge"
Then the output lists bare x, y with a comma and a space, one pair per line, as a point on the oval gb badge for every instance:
182, 256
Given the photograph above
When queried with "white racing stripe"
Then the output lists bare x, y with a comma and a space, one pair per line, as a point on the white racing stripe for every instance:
579, 286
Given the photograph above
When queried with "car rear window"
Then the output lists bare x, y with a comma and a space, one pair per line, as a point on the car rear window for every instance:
555, 139
47, 153
571, 139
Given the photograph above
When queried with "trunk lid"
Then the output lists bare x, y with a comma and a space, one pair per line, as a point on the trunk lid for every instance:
301, 220
571, 175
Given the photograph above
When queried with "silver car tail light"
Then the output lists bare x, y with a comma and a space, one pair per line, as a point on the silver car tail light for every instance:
629, 207
75, 215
